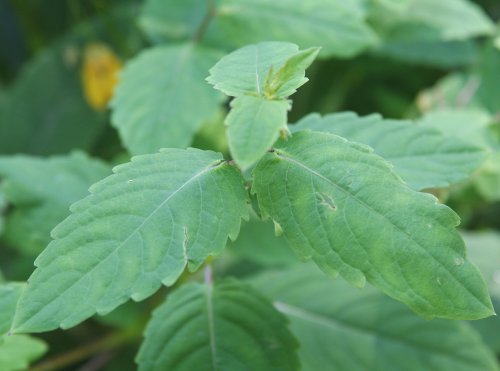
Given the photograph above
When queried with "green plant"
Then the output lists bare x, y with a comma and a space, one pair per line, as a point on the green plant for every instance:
355, 196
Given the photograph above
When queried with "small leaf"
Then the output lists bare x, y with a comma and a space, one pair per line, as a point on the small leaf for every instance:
140, 227
244, 71
228, 326
421, 155
353, 329
40, 191
152, 106
381, 231
253, 125
285, 81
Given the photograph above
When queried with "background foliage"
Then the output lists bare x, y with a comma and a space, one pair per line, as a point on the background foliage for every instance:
422, 72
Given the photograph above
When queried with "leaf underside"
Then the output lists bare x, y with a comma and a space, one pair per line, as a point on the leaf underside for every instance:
342, 206
140, 227
228, 326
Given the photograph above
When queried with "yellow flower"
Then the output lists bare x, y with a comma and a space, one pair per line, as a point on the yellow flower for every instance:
99, 74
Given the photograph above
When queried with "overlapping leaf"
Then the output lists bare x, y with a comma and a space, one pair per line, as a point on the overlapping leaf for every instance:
41, 191
342, 206
140, 227
153, 104
228, 326
350, 329
421, 155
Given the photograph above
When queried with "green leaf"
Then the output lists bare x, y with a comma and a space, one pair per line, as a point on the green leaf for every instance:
253, 125
289, 77
228, 326
338, 26
166, 20
152, 106
56, 120
484, 250
9, 295
140, 227
489, 89
422, 156
3, 205
351, 329
244, 71
15, 351
467, 124
342, 206
40, 191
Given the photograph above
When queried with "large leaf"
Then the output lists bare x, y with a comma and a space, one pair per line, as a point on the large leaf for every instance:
341, 328
421, 155
228, 326
342, 206
140, 227
338, 26
41, 191
153, 104
18, 350
253, 125
489, 89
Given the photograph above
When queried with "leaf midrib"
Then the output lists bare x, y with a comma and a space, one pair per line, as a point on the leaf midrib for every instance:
285, 156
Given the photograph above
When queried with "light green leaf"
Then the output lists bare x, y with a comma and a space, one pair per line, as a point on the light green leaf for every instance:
467, 124
140, 227
338, 26
484, 250
40, 191
244, 71
349, 329
153, 104
438, 20
489, 89
18, 350
289, 77
165, 20
9, 295
228, 326
253, 125
422, 156
342, 206
487, 180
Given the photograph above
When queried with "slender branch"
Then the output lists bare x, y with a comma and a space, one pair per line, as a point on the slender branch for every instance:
211, 12
112, 341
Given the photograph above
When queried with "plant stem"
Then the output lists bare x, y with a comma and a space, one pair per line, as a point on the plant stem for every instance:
112, 341
200, 32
